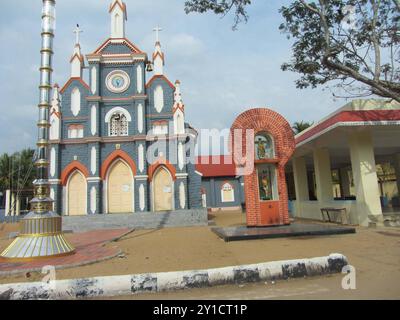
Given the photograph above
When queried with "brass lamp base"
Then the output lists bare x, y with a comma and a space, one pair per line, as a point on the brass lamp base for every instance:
41, 237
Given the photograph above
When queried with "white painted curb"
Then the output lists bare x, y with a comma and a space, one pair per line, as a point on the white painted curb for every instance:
166, 281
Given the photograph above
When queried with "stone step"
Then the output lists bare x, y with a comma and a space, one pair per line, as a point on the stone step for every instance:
148, 220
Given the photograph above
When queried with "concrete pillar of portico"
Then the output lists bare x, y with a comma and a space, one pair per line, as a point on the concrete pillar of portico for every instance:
344, 182
365, 178
8, 203
300, 183
323, 175
396, 165
12, 208
397, 168
18, 206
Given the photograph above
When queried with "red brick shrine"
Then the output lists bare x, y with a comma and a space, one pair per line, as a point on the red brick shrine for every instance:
271, 147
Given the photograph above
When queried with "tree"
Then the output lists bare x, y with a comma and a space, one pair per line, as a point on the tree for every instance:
220, 7
301, 126
352, 44
5, 170
16, 171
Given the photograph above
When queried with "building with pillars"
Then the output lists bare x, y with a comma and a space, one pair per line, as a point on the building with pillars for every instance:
349, 159
101, 132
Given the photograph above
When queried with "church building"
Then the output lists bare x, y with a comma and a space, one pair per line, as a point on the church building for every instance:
102, 131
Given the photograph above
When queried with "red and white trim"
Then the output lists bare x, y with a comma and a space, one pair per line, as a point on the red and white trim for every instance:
349, 118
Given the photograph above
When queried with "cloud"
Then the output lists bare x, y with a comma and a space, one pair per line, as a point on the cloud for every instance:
185, 45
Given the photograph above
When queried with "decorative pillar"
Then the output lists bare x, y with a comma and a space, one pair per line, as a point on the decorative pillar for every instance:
181, 188
365, 177
94, 190
41, 230
323, 175
142, 188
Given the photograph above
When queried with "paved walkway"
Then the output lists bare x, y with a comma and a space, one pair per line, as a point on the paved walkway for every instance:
90, 248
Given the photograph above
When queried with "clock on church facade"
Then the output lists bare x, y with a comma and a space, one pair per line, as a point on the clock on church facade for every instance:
118, 81
101, 132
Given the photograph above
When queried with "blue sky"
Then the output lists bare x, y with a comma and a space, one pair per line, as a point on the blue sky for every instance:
223, 72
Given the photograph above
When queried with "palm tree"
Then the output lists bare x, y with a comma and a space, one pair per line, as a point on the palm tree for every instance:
16, 171
301, 126
5, 170
25, 170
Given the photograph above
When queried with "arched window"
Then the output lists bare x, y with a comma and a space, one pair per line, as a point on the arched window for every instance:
118, 120
118, 125
227, 193
264, 147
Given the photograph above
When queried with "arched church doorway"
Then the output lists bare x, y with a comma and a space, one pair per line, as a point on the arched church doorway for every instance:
77, 194
163, 190
120, 188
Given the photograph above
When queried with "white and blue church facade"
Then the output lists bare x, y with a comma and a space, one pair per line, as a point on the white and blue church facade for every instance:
101, 132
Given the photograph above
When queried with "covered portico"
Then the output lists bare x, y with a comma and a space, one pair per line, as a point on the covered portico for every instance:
350, 159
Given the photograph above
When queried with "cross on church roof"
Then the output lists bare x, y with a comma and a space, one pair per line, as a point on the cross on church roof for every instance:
77, 32
157, 31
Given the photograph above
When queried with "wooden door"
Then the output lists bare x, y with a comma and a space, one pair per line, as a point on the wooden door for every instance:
163, 190
120, 190
77, 195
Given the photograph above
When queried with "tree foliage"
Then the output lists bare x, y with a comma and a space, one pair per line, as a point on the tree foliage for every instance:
352, 45
16, 170
220, 7
301, 126
352, 42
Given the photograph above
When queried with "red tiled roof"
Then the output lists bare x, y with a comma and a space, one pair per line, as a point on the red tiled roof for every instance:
216, 166
347, 117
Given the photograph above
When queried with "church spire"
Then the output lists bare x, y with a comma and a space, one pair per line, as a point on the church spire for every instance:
118, 18
55, 114
55, 102
77, 60
158, 55
178, 102
178, 110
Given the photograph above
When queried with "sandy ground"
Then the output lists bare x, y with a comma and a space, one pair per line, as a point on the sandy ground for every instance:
375, 253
